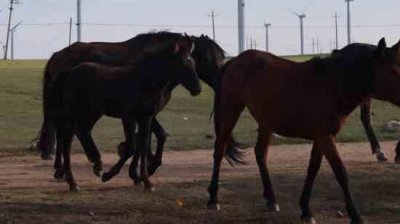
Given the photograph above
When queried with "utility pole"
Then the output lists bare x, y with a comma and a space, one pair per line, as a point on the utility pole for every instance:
78, 21
348, 22
301, 17
70, 31
8, 28
12, 31
313, 45
336, 32
241, 33
267, 25
213, 15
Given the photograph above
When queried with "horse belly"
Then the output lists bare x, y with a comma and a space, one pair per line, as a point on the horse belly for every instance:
113, 108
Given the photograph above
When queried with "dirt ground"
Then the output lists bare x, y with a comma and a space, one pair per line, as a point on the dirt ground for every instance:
28, 193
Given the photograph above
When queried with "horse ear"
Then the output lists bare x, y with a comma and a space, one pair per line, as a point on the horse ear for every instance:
382, 46
186, 35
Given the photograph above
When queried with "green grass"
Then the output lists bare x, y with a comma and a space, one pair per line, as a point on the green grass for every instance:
186, 118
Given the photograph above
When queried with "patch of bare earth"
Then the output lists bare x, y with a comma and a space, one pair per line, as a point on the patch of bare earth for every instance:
28, 193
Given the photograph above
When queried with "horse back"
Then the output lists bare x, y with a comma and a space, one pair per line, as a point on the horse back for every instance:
282, 95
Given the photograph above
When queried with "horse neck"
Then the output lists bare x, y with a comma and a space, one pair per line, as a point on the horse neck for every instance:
353, 84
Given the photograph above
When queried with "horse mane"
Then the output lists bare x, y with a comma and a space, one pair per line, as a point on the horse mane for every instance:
350, 64
145, 38
211, 44
154, 50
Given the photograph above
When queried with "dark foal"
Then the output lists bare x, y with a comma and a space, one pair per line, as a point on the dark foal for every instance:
209, 57
78, 97
308, 100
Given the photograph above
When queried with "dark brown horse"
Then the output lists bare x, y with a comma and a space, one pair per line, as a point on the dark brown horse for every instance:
208, 55
365, 110
308, 100
78, 97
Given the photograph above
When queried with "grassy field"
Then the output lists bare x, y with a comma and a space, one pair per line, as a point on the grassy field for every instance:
186, 118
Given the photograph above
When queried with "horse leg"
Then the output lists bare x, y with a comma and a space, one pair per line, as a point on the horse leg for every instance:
156, 161
330, 152
89, 146
144, 124
261, 152
365, 115
128, 144
225, 124
58, 166
397, 159
129, 129
64, 140
313, 168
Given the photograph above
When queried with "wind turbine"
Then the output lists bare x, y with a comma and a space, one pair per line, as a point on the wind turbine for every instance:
12, 31
301, 17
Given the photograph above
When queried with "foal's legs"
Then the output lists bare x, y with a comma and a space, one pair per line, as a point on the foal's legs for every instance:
144, 124
83, 133
313, 168
64, 140
365, 115
154, 160
261, 152
225, 124
92, 152
328, 146
129, 129
161, 136
58, 164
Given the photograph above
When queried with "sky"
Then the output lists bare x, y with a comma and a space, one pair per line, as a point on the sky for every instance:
45, 28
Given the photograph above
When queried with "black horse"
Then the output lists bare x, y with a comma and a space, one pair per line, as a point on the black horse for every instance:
207, 54
349, 52
78, 97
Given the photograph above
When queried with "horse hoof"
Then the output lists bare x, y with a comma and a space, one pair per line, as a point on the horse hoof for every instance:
106, 177
357, 221
59, 175
214, 207
397, 160
74, 188
381, 157
149, 189
97, 172
273, 207
308, 220
46, 157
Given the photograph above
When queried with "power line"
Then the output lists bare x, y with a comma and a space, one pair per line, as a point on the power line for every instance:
208, 26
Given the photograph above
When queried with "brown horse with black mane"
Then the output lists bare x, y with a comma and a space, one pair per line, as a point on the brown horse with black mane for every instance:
308, 100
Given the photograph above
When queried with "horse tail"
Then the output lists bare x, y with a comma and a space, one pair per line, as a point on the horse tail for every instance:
232, 153
47, 133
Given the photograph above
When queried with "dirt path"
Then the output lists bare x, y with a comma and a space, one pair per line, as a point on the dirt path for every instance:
287, 165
